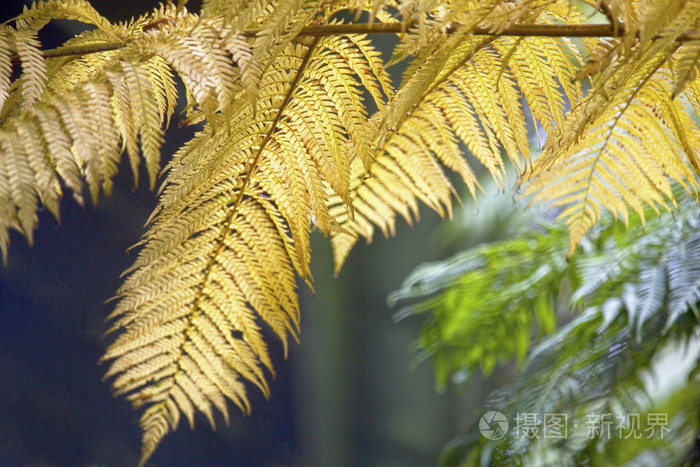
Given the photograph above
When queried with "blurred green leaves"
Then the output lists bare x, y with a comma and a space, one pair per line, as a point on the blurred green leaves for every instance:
631, 291
488, 301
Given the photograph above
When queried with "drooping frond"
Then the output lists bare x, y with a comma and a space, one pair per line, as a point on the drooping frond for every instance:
685, 63
474, 101
624, 157
96, 106
231, 230
33, 78
40, 13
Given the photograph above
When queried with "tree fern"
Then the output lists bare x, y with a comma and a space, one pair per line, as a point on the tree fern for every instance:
302, 129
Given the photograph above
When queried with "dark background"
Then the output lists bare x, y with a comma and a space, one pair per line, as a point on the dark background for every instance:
347, 396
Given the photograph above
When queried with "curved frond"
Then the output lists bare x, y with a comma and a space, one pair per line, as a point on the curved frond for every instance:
474, 101
236, 212
40, 13
626, 157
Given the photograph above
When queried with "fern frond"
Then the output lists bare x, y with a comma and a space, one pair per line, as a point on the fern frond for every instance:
59, 145
147, 117
201, 63
236, 211
242, 55
92, 109
626, 155
430, 22
237, 13
104, 165
683, 277
6, 50
600, 58
21, 184
33, 79
686, 65
543, 95
41, 12
638, 292
280, 25
483, 314
471, 97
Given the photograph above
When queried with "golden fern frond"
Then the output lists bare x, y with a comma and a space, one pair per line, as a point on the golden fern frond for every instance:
236, 211
76, 128
685, 63
665, 20
190, 334
237, 13
600, 58
20, 183
429, 24
249, 69
200, 62
33, 77
534, 61
650, 27
40, 13
6, 51
280, 25
148, 118
625, 157
64, 73
101, 165
472, 98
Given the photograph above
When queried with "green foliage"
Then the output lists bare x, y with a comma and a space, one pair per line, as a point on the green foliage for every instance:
491, 296
635, 293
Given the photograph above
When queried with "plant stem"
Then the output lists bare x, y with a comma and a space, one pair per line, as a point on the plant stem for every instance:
550, 30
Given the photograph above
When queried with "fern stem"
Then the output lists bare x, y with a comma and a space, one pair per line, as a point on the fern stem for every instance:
77, 50
249, 173
273, 126
551, 30
547, 30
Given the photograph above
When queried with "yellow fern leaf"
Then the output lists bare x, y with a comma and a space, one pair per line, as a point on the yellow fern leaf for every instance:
21, 183
625, 158
536, 78
166, 92
33, 77
45, 183
6, 48
242, 54
101, 168
40, 13
142, 93
237, 210
687, 63
472, 98
280, 25
58, 145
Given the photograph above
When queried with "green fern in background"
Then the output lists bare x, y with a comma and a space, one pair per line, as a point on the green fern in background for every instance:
634, 294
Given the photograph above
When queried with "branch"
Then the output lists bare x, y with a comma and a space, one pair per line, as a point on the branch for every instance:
615, 29
550, 30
